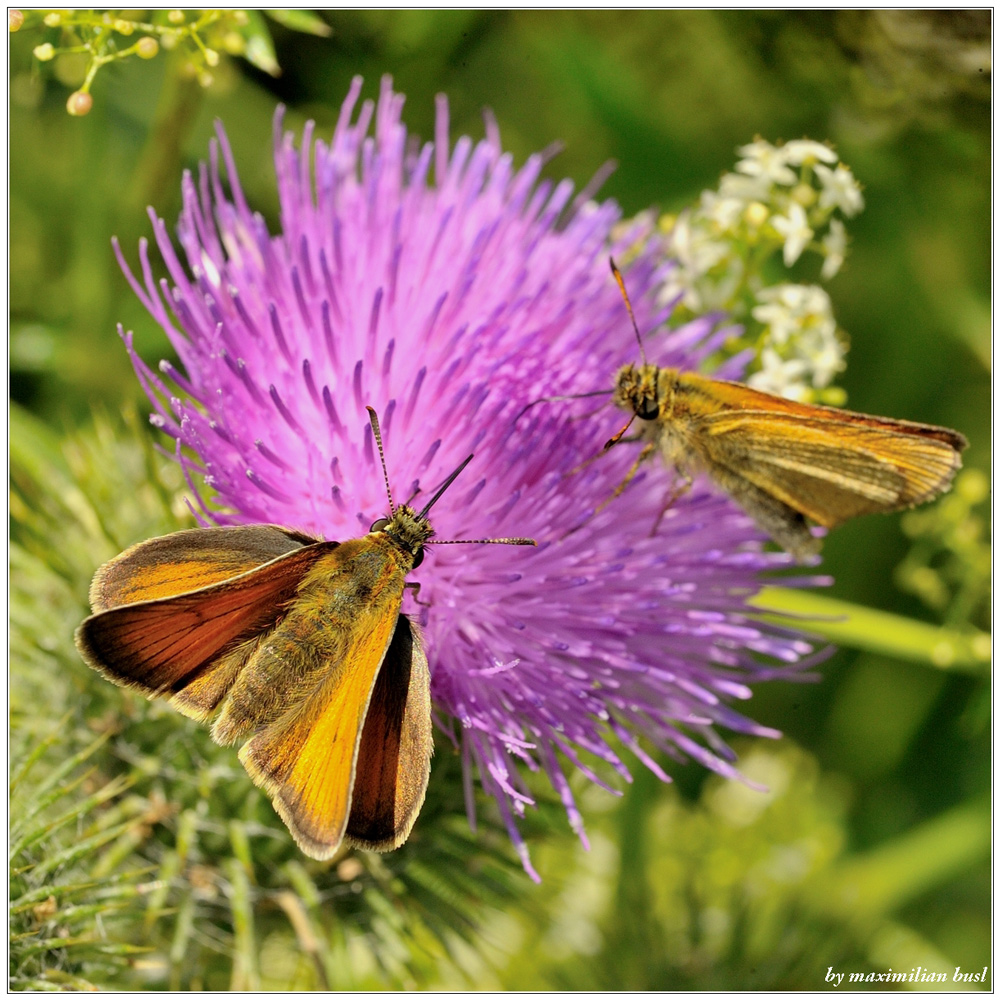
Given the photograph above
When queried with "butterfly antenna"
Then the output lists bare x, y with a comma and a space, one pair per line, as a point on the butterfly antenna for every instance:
437, 496
466, 541
558, 399
482, 541
373, 416
631, 315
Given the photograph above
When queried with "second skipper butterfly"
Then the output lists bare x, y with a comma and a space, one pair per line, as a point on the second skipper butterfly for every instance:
784, 463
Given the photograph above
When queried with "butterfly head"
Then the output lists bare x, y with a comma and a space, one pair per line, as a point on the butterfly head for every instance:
408, 530
637, 390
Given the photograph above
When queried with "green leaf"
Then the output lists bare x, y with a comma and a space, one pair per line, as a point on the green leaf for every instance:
260, 49
301, 20
53, 787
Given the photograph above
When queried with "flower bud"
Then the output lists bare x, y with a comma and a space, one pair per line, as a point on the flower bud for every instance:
756, 214
804, 194
234, 43
43, 52
79, 103
147, 48
15, 19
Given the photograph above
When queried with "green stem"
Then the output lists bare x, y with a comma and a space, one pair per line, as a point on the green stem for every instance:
964, 650
158, 169
911, 865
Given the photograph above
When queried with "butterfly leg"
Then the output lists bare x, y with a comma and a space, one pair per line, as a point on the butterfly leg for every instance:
676, 492
593, 458
583, 465
415, 587
630, 475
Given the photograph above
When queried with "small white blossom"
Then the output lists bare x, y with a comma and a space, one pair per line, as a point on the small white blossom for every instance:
723, 212
781, 376
756, 214
721, 290
780, 323
794, 227
827, 361
780, 312
812, 300
800, 151
787, 310
781, 196
834, 247
694, 247
745, 188
805, 301
801, 349
761, 159
840, 189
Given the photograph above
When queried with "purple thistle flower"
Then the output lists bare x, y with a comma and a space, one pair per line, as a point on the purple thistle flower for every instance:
448, 305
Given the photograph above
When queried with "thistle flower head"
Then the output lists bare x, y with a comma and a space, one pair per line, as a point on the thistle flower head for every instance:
449, 290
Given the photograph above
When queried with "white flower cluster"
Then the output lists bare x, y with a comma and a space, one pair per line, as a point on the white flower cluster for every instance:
781, 198
800, 350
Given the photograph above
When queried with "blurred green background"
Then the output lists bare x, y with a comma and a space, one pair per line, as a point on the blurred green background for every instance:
872, 849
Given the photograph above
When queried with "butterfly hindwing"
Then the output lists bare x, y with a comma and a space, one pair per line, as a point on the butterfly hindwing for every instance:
824, 470
393, 764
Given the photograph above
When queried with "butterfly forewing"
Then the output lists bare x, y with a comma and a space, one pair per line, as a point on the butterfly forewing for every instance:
826, 470
734, 396
189, 560
160, 646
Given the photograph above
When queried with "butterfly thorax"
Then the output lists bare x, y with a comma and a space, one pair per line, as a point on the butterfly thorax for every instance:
360, 581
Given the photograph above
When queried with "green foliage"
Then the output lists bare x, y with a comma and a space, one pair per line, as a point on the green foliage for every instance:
960, 648
950, 563
744, 889
70, 899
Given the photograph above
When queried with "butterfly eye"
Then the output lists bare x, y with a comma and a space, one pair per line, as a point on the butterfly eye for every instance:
380, 525
418, 558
